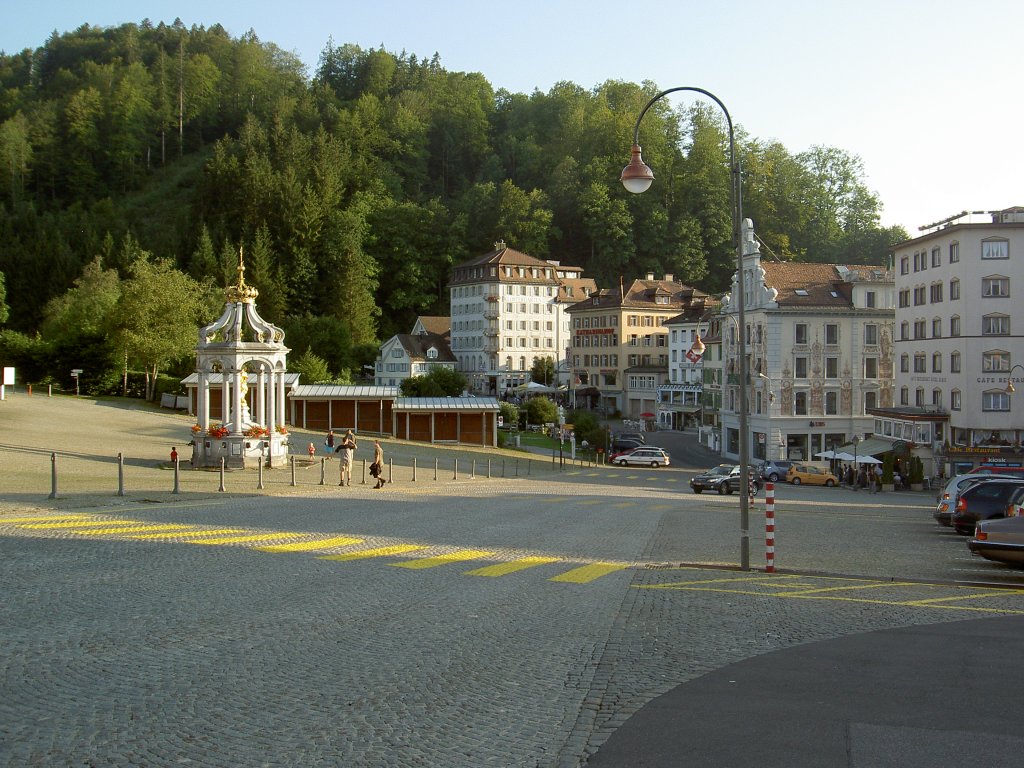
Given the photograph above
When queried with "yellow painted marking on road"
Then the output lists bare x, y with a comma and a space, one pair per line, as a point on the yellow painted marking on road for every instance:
624, 504
823, 590
398, 549
247, 539
587, 573
310, 546
591, 502
451, 557
131, 529
980, 595
188, 534
660, 507
672, 480
555, 499
503, 569
700, 584
80, 524
39, 518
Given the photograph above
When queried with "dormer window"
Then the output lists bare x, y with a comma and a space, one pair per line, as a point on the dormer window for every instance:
432, 353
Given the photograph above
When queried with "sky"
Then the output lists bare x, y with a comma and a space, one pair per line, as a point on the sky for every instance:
925, 92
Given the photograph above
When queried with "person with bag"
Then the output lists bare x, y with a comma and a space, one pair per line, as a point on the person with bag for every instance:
329, 442
348, 457
377, 468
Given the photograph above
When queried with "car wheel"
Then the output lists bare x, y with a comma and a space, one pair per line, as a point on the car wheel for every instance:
796, 481
697, 490
829, 483
774, 477
721, 489
622, 462
654, 465
728, 488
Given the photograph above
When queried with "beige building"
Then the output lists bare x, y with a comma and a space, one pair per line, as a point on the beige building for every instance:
620, 345
508, 310
819, 346
959, 343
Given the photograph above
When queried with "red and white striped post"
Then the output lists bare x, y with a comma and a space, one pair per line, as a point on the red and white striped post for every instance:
769, 527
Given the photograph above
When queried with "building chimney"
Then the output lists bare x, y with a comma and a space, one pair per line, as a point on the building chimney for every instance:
669, 277
650, 275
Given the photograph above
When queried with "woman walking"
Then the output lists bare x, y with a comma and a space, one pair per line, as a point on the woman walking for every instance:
377, 468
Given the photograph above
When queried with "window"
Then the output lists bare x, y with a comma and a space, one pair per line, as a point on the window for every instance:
831, 403
919, 396
954, 362
870, 299
995, 361
800, 404
905, 265
870, 367
937, 397
904, 297
995, 400
919, 296
919, 329
800, 330
995, 325
954, 252
995, 287
954, 325
937, 328
831, 367
905, 363
919, 362
995, 248
831, 334
870, 400
870, 335
935, 293
954, 290
954, 400
936, 257
936, 362
800, 368
904, 396
904, 330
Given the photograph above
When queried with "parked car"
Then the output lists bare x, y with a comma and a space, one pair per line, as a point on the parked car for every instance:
734, 479
985, 501
1001, 471
1000, 540
946, 501
714, 479
808, 474
621, 445
638, 436
647, 456
775, 470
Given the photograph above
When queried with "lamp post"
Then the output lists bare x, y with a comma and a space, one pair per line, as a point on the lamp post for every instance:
856, 468
637, 177
1010, 389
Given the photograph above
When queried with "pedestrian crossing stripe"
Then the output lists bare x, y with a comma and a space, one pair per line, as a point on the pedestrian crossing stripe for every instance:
187, 534
247, 539
438, 560
310, 546
512, 566
131, 529
40, 518
587, 573
362, 554
90, 523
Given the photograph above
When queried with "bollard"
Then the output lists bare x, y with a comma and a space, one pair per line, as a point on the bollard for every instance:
120, 474
456, 475
414, 469
391, 469
177, 487
323, 471
529, 466
221, 489
259, 467
30, 390
488, 469
293, 471
503, 468
435, 468
364, 471
53, 475
472, 471
769, 527
49, 391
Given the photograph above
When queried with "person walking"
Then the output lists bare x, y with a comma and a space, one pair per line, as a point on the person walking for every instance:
348, 457
329, 442
377, 468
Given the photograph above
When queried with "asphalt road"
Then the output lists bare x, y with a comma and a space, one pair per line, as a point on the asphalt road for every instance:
510, 621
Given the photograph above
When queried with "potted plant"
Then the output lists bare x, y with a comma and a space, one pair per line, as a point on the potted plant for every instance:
888, 464
916, 473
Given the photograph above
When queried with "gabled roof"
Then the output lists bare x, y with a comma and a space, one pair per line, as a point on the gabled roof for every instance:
416, 346
818, 285
440, 326
581, 288
640, 294
503, 256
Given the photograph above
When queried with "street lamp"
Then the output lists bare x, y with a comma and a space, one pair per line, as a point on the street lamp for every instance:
637, 177
856, 469
1010, 389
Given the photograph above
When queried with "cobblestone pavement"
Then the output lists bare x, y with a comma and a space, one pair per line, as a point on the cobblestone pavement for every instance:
504, 622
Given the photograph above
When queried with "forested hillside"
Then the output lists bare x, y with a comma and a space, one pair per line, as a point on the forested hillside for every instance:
353, 189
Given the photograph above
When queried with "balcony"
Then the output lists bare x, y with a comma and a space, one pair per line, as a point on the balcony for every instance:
491, 313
